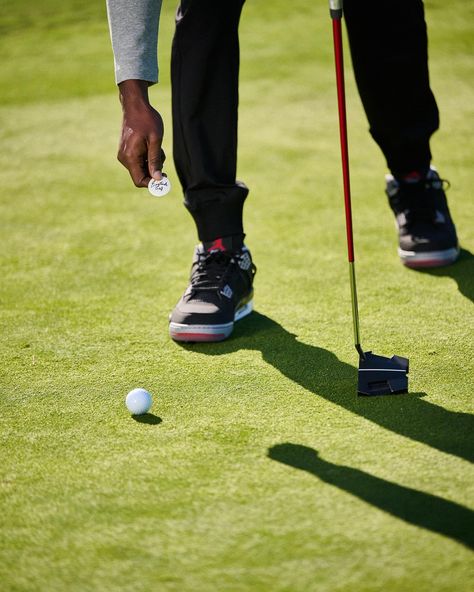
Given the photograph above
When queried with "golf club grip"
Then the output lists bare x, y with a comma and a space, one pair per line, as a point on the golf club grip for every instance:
341, 103
335, 9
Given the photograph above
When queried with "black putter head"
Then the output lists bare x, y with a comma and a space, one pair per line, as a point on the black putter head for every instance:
382, 376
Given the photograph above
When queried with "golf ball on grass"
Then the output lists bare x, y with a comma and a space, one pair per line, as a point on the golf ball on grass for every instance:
138, 401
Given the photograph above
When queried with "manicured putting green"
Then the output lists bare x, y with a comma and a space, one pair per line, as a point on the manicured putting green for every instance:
258, 468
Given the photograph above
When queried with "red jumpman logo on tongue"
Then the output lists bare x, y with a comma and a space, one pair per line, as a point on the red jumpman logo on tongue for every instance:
217, 245
413, 176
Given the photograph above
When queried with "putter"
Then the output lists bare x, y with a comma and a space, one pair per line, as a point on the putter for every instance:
377, 375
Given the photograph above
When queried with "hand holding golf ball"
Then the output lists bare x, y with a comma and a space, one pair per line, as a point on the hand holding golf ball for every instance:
159, 187
138, 401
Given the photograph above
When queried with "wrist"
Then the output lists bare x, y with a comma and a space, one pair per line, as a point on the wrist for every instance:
133, 92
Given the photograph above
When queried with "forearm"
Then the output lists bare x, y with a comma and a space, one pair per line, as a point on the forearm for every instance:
134, 32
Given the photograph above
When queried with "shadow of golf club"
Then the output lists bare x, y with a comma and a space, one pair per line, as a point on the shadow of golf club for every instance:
462, 272
415, 507
147, 418
322, 373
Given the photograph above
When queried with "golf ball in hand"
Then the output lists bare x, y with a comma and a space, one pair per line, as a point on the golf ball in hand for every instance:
159, 188
138, 401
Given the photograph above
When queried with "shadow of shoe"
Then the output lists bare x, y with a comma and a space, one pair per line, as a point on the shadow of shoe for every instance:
462, 272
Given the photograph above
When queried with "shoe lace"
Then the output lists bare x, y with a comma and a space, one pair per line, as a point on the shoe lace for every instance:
211, 271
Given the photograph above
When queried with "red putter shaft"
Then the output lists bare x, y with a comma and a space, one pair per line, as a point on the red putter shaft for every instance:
341, 101
336, 15
377, 375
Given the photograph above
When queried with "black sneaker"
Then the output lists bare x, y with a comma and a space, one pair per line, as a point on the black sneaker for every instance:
427, 235
219, 294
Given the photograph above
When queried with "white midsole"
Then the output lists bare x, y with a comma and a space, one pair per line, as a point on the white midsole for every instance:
225, 329
446, 255
242, 312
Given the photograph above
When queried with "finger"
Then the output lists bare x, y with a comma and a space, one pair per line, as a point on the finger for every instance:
139, 174
158, 175
155, 159
133, 158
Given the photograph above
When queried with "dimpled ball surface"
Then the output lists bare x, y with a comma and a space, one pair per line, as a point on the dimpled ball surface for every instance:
138, 401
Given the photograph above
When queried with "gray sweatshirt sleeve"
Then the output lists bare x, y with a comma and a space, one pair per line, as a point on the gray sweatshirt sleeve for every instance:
134, 33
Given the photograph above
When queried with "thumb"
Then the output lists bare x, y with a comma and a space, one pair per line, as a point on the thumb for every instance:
156, 157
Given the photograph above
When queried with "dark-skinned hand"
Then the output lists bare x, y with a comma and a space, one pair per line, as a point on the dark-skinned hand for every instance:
142, 133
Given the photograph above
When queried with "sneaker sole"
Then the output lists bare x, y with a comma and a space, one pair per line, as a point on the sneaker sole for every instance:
432, 259
206, 333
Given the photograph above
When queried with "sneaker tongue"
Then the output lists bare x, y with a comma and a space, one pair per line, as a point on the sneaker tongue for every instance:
412, 176
224, 244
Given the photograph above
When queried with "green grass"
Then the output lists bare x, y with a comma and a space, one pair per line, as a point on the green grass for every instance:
264, 471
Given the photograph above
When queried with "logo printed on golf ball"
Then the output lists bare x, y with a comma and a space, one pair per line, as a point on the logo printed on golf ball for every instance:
159, 188
138, 401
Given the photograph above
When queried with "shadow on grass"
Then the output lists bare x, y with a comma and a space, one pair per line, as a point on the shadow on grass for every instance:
462, 272
148, 418
415, 507
322, 373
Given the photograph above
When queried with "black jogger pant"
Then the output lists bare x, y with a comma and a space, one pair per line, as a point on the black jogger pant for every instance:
388, 44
